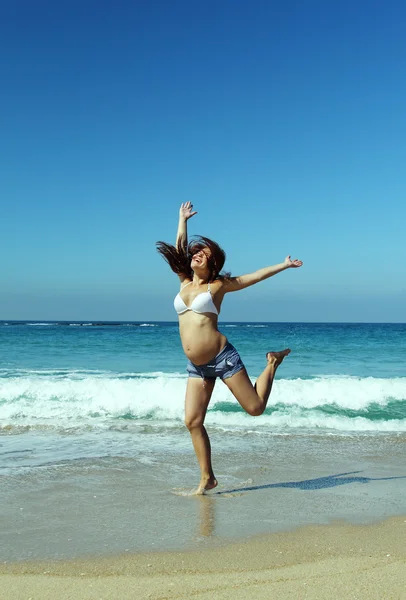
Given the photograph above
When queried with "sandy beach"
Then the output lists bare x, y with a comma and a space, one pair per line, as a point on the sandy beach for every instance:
97, 469
338, 560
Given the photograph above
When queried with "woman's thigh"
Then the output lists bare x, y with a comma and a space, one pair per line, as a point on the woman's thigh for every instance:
198, 394
241, 387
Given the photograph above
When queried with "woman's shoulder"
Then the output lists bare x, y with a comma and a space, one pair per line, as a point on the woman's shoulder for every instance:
217, 285
218, 282
184, 280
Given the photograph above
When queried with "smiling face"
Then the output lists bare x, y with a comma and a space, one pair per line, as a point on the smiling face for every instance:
206, 257
200, 258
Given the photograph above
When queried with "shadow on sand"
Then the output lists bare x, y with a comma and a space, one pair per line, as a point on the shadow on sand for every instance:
311, 484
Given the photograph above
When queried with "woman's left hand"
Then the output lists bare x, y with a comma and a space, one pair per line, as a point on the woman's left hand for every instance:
186, 211
293, 264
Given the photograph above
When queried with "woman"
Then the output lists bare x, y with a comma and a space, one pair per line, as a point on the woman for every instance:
202, 289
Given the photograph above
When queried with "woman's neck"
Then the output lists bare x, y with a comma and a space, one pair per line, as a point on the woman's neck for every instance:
200, 279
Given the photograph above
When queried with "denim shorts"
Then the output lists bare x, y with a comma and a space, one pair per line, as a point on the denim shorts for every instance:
226, 364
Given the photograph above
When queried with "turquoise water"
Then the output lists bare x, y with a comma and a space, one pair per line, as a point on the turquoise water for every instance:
83, 405
339, 377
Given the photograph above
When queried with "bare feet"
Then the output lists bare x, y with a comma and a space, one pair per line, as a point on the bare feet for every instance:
206, 485
277, 357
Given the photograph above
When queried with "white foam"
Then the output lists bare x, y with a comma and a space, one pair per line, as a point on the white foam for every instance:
303, 420
346, 392
81, 398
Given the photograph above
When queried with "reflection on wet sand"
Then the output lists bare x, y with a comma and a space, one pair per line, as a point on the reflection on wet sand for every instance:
207, 515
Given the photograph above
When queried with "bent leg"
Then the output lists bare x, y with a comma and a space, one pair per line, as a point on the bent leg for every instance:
254, 398
196, 403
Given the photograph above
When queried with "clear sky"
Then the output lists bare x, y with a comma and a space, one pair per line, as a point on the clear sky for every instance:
283, 122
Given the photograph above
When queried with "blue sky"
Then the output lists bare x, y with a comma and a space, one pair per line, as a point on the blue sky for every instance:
283, 122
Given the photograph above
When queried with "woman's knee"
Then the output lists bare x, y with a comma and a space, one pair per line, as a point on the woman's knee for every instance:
255, 410
193, 422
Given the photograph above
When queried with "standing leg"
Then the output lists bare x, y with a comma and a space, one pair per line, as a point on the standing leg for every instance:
254, 399
196, 403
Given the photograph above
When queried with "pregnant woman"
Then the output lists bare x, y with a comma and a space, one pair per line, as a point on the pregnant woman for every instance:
202, 289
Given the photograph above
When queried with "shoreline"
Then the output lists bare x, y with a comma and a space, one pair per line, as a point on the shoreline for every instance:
110, 506
357, 561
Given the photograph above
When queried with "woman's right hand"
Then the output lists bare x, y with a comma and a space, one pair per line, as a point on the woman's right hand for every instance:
186, 211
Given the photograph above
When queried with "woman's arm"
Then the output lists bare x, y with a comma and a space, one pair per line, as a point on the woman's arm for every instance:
239, 283
185, 212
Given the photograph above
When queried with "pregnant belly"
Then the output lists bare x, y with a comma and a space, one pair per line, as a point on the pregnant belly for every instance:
201, 344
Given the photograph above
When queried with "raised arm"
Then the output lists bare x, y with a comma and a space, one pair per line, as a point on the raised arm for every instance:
185, 212
239, 283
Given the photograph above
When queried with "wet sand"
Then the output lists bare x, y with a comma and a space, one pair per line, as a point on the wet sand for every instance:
338, 560
110, 506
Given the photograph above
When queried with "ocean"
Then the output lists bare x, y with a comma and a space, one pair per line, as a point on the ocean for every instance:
95, 458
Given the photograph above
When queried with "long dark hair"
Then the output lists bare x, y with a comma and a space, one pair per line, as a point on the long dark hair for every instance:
179, 257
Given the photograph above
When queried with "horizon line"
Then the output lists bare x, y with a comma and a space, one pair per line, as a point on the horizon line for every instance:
113, 321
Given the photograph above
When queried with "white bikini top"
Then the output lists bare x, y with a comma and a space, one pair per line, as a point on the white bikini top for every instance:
203, 303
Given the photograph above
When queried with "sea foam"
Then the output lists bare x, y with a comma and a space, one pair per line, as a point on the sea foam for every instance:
97, 398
